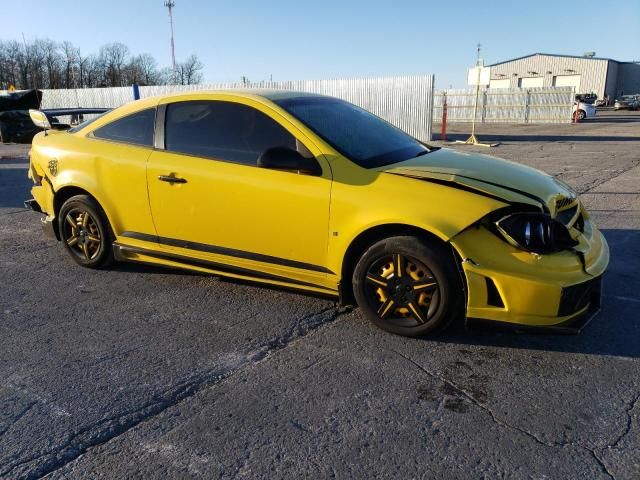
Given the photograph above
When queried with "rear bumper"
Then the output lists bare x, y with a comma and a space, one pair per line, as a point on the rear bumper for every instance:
33, 205
48, 228
47, 222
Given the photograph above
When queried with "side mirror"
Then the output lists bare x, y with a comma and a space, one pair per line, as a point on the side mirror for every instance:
39, 119
284, 158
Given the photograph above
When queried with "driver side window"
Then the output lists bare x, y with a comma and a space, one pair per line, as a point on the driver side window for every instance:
223, 131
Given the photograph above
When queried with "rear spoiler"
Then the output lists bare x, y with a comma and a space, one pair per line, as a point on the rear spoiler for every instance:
54, 112
51, 114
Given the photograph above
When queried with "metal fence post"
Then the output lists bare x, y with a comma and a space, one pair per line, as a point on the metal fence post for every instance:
443, 134
484, 106
526, 107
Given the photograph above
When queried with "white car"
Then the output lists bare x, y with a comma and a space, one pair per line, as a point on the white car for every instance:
585, 110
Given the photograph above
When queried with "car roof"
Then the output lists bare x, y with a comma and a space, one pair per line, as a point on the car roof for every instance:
269, 94
151, 102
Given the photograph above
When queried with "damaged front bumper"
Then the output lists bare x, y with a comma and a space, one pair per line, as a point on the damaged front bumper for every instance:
558, 292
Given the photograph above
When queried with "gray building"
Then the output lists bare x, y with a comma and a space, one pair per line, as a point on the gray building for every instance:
587, 74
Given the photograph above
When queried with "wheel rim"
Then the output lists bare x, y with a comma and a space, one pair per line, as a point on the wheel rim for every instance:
402, 290
82, 234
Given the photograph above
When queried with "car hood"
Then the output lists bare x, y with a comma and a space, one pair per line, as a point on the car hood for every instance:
486, 175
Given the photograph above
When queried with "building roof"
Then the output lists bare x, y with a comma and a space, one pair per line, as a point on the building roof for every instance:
557, 55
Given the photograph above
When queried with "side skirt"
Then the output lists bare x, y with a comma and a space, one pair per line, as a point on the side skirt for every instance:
127, 253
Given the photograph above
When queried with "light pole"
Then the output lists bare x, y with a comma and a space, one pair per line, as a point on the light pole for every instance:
170, 4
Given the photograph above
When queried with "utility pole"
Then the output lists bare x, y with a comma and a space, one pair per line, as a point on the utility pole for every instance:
477, 72
170, 4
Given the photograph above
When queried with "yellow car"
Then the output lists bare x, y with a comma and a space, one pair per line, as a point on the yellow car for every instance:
311, 192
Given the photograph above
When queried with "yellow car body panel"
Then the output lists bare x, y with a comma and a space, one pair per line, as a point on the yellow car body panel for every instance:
530, 285
295, 230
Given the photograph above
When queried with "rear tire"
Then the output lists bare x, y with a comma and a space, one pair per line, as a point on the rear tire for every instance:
427, 295
85, 232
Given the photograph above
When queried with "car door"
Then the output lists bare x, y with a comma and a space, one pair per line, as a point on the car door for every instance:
210, 200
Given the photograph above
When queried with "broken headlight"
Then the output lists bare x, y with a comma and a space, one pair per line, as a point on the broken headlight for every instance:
535, 232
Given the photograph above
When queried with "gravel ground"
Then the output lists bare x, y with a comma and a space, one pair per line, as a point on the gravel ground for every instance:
144, 372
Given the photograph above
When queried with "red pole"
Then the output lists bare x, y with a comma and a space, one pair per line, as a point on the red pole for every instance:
576, 117
443, 134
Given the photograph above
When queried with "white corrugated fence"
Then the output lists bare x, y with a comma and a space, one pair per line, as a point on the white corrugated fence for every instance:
404, 101
507, 105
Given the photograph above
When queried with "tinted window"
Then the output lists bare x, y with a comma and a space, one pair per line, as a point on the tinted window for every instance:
86, 123
136, 128
222, 130
359, 135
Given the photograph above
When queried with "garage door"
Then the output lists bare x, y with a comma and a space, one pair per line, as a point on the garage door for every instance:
500, 83
529, 82
567, 81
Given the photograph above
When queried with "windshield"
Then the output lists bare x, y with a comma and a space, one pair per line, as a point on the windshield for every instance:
357, 134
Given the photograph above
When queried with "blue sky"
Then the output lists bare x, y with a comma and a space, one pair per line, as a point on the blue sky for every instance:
332, 38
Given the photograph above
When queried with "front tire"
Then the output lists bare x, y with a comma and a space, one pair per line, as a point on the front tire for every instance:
85, 232
408, 286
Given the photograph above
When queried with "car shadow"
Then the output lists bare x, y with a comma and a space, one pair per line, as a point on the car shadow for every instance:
495, 138
613, 332
147, 268
14, 184
617, 119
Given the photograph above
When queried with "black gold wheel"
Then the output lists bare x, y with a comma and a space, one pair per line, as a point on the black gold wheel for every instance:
407, 286
403, 289
85, 232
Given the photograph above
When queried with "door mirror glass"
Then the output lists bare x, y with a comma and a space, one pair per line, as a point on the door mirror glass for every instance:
284, 158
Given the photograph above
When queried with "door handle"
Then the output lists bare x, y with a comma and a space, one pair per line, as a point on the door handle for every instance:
171, 179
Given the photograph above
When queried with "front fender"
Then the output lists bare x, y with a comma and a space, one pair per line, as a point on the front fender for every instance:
441, 210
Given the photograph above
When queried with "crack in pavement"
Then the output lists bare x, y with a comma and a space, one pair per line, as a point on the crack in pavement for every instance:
632, 405
599, 182
16, 418
105, 430
471, 398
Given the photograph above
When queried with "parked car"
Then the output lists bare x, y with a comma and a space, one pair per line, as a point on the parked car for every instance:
627, 102
586, 98
16, 125
585, 110
311, 192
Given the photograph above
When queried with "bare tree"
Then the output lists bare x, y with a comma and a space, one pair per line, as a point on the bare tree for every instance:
148, 68
44, 63
11, 58
53, 62
113, 58
168, 76
70, 54
188, 72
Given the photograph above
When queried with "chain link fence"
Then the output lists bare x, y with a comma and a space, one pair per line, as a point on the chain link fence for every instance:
507, 105
404, 101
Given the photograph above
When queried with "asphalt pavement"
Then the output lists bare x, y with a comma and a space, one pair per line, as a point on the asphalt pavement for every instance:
142, 372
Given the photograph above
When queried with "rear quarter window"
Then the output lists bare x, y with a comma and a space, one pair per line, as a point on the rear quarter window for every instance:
136, 129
